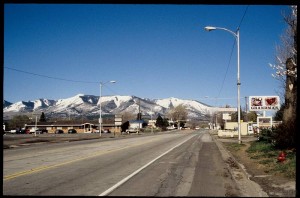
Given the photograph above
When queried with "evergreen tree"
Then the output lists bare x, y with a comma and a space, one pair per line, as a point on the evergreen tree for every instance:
42, 117
166, 123
159, 121
125, 126
162, 123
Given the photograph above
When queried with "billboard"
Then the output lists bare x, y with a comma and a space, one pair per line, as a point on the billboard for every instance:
264, 103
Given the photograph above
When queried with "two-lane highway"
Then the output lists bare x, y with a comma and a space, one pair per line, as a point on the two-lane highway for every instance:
156, 165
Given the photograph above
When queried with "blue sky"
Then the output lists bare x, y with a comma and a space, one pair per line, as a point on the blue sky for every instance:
152, 51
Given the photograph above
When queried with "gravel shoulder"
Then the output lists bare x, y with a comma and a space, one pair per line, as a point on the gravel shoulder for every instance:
275, 185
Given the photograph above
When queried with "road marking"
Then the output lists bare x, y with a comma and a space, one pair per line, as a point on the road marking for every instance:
140, 169
26, 172
41, 168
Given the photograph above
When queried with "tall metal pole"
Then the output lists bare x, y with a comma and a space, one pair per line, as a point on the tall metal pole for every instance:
238, 85
100, 113
100, 117
139, 115
237, 36
35, 125
151, 120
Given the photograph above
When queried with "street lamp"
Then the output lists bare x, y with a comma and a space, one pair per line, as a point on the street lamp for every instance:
100, 117
35, 125
237, 36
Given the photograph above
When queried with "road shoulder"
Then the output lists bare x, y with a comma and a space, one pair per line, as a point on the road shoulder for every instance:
248, 188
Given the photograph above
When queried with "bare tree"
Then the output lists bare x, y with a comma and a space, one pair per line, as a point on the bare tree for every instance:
287, 49
178, 113
126, 116
286, 66
18, 121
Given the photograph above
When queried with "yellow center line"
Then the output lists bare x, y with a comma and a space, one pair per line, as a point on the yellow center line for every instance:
34, 170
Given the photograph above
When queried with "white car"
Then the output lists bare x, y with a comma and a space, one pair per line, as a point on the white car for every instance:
171, 127
132, 130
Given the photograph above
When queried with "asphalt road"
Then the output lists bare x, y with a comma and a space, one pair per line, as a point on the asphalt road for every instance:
183, 163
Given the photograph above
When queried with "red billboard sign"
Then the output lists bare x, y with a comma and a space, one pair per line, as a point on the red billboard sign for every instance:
264, 103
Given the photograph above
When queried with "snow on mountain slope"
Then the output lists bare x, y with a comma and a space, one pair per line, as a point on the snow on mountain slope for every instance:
6, 103
189, 104
29, 106
118, 100
42, 103
19, 107
81, 104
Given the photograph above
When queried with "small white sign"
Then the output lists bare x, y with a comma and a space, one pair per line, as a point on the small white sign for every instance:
118, 123
118, 119
226, 116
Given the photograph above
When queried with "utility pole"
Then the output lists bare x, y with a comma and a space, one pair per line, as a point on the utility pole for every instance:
246, 102
151, 120
139, 115
35, 125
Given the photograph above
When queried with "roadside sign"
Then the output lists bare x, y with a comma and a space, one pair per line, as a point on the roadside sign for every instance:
226, 116
264, 103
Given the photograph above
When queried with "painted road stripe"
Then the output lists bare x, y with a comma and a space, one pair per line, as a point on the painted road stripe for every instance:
140, 169
41, 168
34, 170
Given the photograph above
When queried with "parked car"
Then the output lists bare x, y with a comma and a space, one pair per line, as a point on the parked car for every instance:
132, 130
20, 131
40, 131
72, 131
57, 131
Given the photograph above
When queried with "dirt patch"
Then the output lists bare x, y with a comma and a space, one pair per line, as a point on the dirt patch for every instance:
274, 184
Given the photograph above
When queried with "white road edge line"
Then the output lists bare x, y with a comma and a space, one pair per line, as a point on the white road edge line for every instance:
139, 170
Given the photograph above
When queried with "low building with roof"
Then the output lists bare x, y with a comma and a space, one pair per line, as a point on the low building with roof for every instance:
109, 123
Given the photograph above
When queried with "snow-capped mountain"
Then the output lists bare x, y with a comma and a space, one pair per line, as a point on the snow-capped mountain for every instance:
23, 106
88, 105
194, 107
6, 103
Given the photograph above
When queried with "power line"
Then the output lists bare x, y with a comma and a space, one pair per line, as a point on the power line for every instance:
243, 16
45, 76
232, 52
227, 68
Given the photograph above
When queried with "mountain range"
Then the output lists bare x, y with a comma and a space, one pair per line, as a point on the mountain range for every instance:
88, 105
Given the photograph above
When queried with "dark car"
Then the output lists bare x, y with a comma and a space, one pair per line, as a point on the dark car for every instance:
58, 131
72, 131
40, 131
20, 131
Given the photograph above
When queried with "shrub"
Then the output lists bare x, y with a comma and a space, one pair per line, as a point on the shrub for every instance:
284, 135
266, 135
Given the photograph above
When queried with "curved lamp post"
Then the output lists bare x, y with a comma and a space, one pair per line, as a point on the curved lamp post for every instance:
100, 116
237, 36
